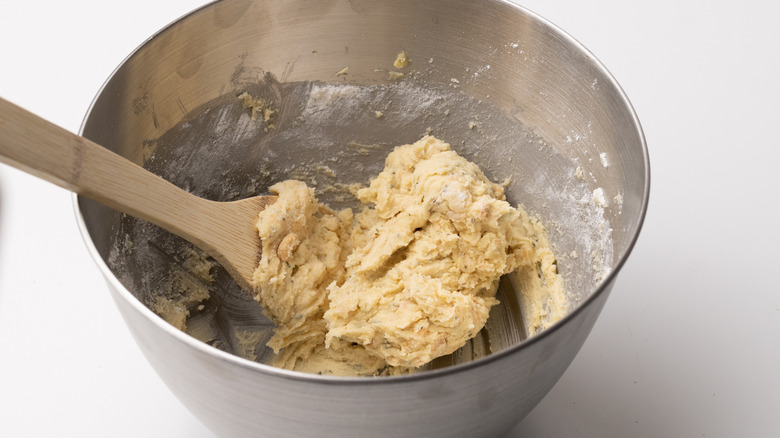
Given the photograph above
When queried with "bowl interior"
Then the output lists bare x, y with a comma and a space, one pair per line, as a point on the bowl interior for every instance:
516, 96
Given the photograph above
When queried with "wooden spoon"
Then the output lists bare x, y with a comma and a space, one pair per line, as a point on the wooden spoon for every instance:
225, 230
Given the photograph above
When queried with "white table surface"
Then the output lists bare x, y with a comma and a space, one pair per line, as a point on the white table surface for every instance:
688, 344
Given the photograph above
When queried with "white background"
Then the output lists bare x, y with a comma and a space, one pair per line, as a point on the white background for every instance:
688, 344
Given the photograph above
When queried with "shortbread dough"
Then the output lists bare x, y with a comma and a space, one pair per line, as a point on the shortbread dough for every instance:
409, 278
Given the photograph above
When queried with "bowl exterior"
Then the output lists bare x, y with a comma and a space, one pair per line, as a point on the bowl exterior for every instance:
234, 399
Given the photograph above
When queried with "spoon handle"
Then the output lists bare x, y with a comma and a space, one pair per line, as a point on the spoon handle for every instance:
43, 149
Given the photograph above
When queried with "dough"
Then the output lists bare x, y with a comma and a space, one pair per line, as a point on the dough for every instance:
409, 278
258, 107
401, 60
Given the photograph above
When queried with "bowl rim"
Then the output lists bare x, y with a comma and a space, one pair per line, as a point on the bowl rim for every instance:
272, 371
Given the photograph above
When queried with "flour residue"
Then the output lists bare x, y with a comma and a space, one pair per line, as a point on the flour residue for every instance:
329, 135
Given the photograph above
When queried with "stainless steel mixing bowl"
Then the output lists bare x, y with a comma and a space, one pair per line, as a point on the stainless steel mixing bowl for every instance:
502, 85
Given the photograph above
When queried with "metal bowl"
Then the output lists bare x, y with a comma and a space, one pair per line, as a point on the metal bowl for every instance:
506, 88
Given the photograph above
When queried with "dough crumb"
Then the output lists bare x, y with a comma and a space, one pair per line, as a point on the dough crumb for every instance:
342, 72
578, 173
395, 75
599, 198
129, 246
257, 107
378, 114
401, 60
268, 113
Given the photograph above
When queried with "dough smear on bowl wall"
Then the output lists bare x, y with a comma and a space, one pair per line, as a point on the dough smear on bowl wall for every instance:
241, 95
